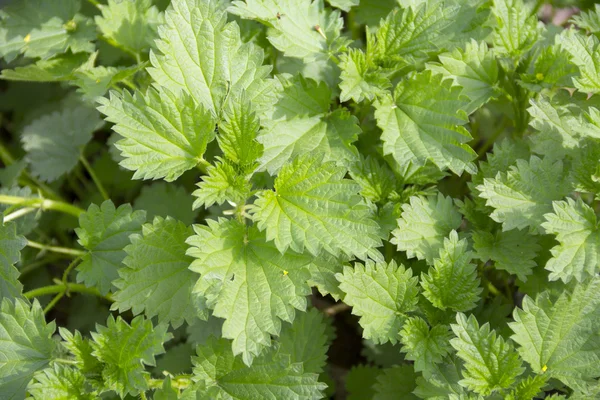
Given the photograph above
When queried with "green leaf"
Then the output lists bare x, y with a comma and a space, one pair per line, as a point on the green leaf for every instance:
360, 380
104, 231
124, 349
306, 340
512, 251
237, 133
522, 195
27, 345
272, 375
396, 383
223, 182
360, 77
164, 133
585, 54
516, 28
81, 349
209, 77
588, 20
166, 200
59, 383
528, 388
585, 167
423, 225
452, 282
247, 282
301, 123
551, 69
491, 363
301, 29
322, 274
11, 245
442, 382
475, 69
381, 294
424, 345
376, 180
343, 4
57, 69
131, 24
55, 141
423, 122
576, 228
155, 278
560, 336
314, 208
93, 82
38, 28
25, 223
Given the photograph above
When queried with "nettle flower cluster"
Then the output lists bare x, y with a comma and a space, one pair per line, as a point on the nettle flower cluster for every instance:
431, 164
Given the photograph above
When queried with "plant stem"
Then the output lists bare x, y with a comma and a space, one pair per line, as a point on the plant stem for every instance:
336, 309
44, 204
92, 173
69, 269
53, 302
65, 361
18, 214
70, 287
56, 249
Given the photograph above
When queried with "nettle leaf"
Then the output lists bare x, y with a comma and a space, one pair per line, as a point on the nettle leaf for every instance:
452, 282
585, 54
522, 195
182, 62
273, 375
588, 20
58, 383
298, 28
81, 349
585, 168
576, 228
512, 251
551, 69
223, 182
301, 123
104, 231
475, 69
424, 345
322, 274
124, 349
528, 388
164, 133
55, 141
314, 208
423, 122
396, 382
27, 345
360, 77
423, 225
155, 278
56, 69
38, 28
560, 336
238, 131
131, 24
491, 363
166, 200
377, 181
516, 28
248, 282
381, 294
11, 245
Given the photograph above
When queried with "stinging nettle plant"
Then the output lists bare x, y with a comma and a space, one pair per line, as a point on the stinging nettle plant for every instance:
194, 193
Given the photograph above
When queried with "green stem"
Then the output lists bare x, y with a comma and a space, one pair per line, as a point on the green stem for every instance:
94, 2
143, 396
69, 269
18, 214
69, 288
53, 302
56, 249
92, 173
65, 361
44, 204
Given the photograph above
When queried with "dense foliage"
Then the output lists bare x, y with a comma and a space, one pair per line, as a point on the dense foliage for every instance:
292, 199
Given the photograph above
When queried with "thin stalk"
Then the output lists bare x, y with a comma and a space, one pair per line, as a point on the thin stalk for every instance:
17, 214
69, 269
44, 204
92, 173
69, 288
56, 249
53, 302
